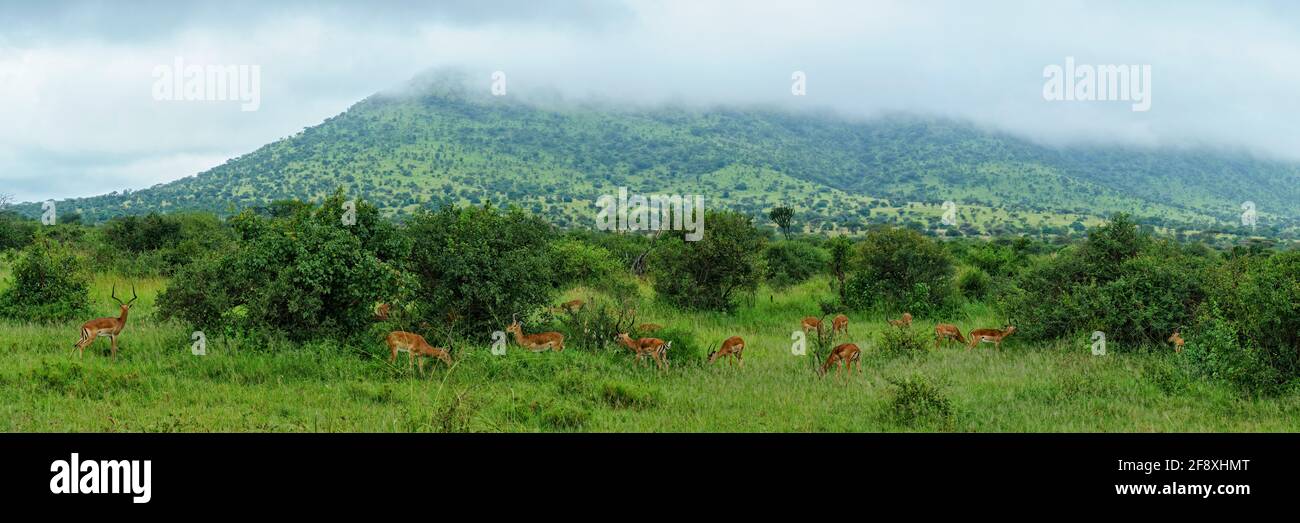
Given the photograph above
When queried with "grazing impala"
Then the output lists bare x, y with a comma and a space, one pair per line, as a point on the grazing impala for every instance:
840, 325
905, 321
847, 353
654, 347
648, 328
110, 327
414, 346
733, 349
947, 331
995, 336
1177, 339
536, 342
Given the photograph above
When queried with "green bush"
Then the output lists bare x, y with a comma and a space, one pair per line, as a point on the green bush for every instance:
580, 263
480, 265
711, 272
901, 269
686, 350
304, 276
793, 262
1215, 349
47, 284
974, 283
16, 231
918, 402
904, 341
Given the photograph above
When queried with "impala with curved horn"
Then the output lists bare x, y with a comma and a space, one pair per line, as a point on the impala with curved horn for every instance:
110, 327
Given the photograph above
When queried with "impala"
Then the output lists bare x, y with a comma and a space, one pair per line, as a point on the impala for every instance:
647, 328
1177, 339
733, 349
947, 331
536, 342
381, 312
839, 325
995, 336
843, 354
654, 347
111, 327
905, 321
810, 323
414, 346
571, 306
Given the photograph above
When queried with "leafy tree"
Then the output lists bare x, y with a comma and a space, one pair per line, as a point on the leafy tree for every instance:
707, 274
480, 266
901, 269
793, 262
782, 216
48, 284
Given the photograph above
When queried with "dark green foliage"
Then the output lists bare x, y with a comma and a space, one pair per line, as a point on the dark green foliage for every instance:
903, 270
709, 273
580, 263
159, 244
1121, 282
16, 231
480, 265
138, 234
686, 350
974, 283
793, 262
48, 284
304, 276
1216, 349
904, 341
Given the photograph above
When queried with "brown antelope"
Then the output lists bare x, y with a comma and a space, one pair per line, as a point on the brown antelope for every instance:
843, 354
381, 312
647, 328
995, 336
733, 349
536, 342
1177, 339
110, 327
810, 323
904, 322
947, 331
654, 347
415, 347
570, 306
840, 325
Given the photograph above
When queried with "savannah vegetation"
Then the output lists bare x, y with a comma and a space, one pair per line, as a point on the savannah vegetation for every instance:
286, 296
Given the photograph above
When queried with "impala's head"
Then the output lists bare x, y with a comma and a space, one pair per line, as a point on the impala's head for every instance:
1009, 329
623, 337
127, 305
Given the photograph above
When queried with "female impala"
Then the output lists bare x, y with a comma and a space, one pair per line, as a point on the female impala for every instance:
847, 353
733, 347
654, 347
536, 342
905, 321
811, 323
995, 336
1177, 339
947, 331
840, 325
110, 327
414, 346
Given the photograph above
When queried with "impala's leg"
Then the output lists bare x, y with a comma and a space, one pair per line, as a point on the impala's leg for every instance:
113, 343
410, 359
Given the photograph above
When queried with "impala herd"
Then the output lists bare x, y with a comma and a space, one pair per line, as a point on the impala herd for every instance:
415, 346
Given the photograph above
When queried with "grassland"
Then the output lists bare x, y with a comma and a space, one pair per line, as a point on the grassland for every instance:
156, 384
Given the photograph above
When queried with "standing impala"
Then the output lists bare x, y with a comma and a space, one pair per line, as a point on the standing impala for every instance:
414, 346
653, 347
1177, 339
733, 349
536, 342
847, 353
994, 336
111, 327
810, 323
905, 321
840, 325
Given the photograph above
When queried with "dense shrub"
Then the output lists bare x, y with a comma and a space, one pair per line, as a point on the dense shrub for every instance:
480, 266
580, 263
709, 273
904, 341
48, 284
974, 283
918, 402
304, 276
901, 269
1216, 349
16, 231
793, 262
1119, 281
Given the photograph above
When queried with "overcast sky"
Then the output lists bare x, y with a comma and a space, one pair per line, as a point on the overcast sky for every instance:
78, 115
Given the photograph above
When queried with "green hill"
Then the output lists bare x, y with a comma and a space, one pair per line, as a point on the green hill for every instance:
436, 142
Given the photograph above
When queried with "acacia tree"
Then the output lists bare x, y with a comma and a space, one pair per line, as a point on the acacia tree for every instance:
707, 274
782, 216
